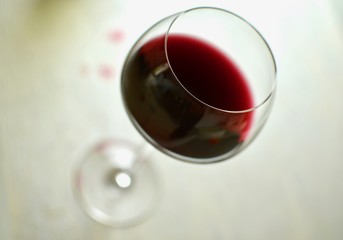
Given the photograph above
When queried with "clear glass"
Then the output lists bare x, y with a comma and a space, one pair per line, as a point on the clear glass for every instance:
114, 183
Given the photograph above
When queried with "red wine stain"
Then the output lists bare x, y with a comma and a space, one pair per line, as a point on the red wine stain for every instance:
106, 72
116, 36
102, 146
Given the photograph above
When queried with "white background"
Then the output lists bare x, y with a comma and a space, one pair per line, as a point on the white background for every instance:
54, 104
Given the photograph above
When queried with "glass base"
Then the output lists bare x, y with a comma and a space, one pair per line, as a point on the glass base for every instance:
116, 185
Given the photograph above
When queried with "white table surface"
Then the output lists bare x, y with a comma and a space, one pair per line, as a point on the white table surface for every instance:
59, 93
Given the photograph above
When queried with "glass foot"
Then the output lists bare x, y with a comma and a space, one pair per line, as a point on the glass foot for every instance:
116, 185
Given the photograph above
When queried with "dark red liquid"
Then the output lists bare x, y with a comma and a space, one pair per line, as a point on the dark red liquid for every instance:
176, 119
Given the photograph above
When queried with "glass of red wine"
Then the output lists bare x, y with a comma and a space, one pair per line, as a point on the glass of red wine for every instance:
198, 86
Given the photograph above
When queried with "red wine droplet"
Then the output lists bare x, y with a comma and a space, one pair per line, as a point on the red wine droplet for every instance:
106, 72
116, 36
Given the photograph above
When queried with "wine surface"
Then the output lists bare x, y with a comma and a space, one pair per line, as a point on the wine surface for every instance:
190, 114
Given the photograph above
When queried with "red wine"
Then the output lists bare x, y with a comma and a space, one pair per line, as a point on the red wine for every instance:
177, 119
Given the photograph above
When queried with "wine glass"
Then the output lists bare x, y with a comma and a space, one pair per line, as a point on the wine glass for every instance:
198, 86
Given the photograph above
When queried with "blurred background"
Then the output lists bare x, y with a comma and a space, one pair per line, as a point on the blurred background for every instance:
60, 63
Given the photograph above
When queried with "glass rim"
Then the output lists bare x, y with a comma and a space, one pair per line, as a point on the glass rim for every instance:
273, 85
